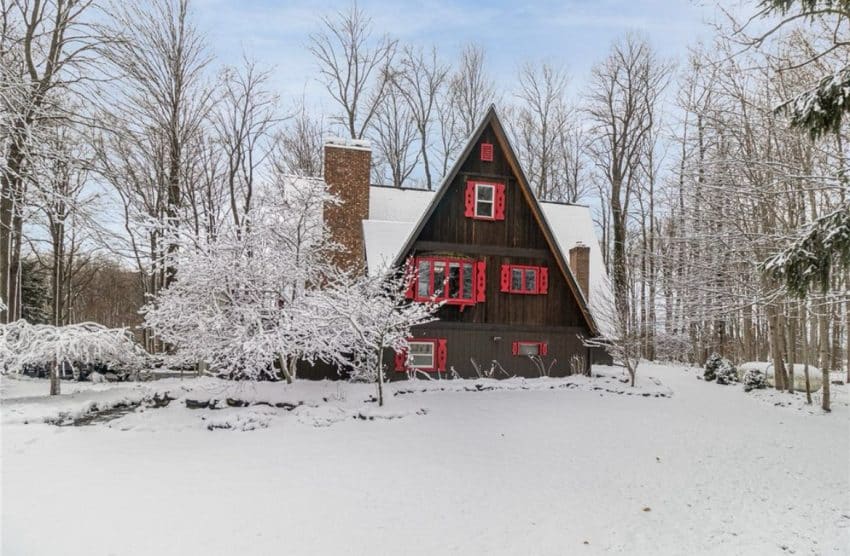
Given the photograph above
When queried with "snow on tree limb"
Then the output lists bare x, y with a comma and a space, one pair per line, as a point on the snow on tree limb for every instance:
809, 260
44, 345
820, 109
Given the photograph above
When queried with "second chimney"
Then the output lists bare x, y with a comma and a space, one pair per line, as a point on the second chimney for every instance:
580, 265
348, 165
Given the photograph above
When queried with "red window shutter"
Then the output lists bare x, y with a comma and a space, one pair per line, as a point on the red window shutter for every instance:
411, 279
506, 278
441, 355
515, 348
543, 283
480, 281
499, 206
400, 359
544, 348
469, 199
487, 152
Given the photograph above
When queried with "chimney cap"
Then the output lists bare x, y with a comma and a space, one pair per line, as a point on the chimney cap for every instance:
343, 143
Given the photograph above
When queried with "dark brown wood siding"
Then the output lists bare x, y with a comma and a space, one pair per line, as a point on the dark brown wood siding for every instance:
486, 344
518, 239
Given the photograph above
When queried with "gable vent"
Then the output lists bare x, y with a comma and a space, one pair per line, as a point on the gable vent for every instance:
487, 152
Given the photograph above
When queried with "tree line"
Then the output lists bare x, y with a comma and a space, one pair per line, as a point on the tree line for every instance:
120, 131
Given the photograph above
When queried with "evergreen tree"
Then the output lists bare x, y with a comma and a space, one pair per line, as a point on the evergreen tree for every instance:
35, 292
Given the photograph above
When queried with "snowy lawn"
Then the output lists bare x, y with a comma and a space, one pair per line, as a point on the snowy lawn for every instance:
547, 466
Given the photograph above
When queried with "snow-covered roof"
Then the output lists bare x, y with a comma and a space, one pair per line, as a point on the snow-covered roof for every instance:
571, 225
382, 240
392, 204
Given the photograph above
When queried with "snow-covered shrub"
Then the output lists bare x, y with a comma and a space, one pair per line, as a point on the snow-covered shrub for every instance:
725, 372
24, 345
754, 380
711, 366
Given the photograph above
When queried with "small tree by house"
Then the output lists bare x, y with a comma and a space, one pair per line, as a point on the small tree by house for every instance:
615, 335
357, 318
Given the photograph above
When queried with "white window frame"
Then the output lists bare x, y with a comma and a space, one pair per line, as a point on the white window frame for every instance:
491, 202
433, 345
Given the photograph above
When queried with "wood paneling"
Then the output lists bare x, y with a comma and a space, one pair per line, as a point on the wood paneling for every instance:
516, 240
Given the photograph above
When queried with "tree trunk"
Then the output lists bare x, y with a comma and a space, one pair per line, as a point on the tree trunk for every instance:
806, 357
380, 377
824, 355
54, 378
284, 368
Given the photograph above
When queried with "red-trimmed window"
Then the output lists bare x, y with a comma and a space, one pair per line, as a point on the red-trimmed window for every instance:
423, 354
455, 281
487, 152
525, 279
485, 200
530, 348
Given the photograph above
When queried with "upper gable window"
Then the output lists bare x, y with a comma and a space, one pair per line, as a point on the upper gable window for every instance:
485, 194
485, 200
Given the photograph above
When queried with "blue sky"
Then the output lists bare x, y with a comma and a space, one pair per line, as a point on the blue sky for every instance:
573, 34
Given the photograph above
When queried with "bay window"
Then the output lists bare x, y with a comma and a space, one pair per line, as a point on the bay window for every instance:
454, 281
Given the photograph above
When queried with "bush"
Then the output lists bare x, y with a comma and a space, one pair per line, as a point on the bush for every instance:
720, 369
754, 380
726, 373
711, 365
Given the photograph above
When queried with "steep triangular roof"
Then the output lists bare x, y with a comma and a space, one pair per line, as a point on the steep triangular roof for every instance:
491, 118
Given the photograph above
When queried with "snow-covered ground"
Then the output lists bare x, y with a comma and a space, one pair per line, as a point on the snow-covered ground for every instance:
547, 466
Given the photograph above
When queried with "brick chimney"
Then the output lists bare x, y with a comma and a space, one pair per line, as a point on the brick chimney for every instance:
348, 164
580, 265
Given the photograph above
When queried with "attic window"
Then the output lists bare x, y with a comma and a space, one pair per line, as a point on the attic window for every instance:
487, 152
485, 200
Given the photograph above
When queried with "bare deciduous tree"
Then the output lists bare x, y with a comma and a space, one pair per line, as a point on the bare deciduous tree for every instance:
394, 132
472, 90
353, 67
420, 81
624, 93
244, 119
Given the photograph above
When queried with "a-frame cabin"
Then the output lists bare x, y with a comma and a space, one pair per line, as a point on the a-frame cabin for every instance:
484, 246
515, 293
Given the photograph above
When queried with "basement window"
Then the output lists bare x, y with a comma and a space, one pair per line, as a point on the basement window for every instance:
421, 355
530, 348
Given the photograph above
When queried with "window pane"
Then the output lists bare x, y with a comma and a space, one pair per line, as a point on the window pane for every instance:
439, 278
454, 280
529, 349
421, 354
467, 281
423, 279
530, 280
484, 193
516, 279
484, 208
